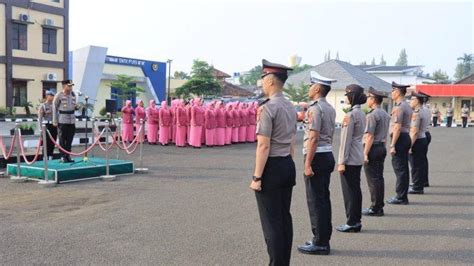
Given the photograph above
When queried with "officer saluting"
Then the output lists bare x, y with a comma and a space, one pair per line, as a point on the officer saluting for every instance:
319, 163
275, 171
45, 115
400, 144
376, 131
64, 106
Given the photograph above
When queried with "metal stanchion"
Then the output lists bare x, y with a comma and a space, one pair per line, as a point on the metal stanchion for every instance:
18, 178
107, 176
93, 136
118, 132
141, 169
45, 182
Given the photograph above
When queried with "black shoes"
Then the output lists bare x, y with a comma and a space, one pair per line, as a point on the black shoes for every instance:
397, 201
67, 160
345, 228
372, 212
310, 248
415, 191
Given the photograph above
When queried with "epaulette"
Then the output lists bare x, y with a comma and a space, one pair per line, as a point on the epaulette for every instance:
315, 102
264, 102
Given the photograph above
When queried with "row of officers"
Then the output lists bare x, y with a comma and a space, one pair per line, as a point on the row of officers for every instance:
436, 115
364, 139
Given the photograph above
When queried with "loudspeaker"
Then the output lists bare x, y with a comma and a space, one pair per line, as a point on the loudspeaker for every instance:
111, 106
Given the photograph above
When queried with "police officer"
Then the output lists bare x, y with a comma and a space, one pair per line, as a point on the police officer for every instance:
45, 116
400, 142
351, 158
419, 144
464, 115
275, 172
64, 106
435, 114
319, 163
427, 116
449, 115
376, 131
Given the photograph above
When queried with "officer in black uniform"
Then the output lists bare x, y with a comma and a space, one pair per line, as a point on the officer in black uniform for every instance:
45, 116
64, 107
275, 172
400, 142
376, 131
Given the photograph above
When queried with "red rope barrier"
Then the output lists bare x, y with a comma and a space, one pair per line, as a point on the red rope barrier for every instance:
72, 153
3, 148
22, 149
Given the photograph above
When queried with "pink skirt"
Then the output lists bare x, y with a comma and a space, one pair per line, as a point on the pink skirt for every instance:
181, 136
152, 133
127, 132
210, 135
164, 137
235, 134
251, 135
195, 136
203, 135
139, 133
242, 134
220, 136
228, 135
173, 134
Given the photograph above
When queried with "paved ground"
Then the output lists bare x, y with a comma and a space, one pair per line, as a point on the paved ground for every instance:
194, 208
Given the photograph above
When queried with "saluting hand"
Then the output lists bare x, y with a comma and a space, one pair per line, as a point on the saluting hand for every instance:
256, 185
341, 168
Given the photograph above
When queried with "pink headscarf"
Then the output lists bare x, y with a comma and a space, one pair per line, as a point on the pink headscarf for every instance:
128, 103
152, 103
139, 102
164, 104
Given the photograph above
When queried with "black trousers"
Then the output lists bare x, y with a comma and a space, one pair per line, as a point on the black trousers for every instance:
54, 133
374, 175
450, 121
400, 165
66, 135
427, 165
435, 121
464, 122
418, 161
318, 197
274, 203
350, 181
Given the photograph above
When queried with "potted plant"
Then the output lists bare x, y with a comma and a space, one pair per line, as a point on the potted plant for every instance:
3, 112
27, 106
25, 129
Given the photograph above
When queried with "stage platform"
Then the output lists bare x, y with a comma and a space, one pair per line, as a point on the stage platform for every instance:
69, 172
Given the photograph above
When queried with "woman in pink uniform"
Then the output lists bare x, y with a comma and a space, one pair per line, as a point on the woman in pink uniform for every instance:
210, 124
252, 118
173, 122
165, 121
243, 123
140, 115
188, 119
221, 124
181, 125
235, 129
127, 121
229, 121
197, 122
153, 115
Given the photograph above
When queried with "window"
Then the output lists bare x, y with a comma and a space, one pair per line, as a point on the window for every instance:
49, 41
49, 86
19, 36
114, 92
56, 1
20, 93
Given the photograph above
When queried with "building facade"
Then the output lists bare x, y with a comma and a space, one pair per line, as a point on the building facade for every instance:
93, 72
409, 75
33, 49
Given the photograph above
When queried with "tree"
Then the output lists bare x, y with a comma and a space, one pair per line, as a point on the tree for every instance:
329, 55
382, 61
440, 76
402, 59
180, 75
465, 67
202, 81
252, 77
373, 61
298, 69
297, 94
363, 63
337, 55
125, 88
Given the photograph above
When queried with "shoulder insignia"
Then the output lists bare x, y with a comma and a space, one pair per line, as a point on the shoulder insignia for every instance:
264, 102
310, 117
315, 102
346, 120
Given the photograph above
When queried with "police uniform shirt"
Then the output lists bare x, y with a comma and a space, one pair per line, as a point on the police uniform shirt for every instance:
418, 121
45, 113
64, 106
401, 114
449, 111
320, 117
427, 116
464, 112
351, 151
276, 120
378, 122
435, 111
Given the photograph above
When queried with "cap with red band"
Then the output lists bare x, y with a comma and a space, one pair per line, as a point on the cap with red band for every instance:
272, 68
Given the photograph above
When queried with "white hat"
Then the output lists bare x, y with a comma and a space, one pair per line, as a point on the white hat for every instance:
315, 78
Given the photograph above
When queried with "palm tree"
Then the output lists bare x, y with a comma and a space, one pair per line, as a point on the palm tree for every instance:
466, 61
297, 94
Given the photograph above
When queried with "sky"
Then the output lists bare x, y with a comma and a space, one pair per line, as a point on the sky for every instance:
235, 35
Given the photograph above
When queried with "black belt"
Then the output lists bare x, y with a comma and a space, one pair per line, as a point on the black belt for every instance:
378, 143
67, 112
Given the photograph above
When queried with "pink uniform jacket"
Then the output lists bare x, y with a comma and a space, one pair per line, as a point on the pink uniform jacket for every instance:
127, 114
210, 119
165, 117
221, 118
153, 115
139, 114
197, 116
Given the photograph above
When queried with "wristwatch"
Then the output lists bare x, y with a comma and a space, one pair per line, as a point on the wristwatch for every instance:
256, 179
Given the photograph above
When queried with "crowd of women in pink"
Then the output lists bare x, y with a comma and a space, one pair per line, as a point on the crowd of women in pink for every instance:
191, 123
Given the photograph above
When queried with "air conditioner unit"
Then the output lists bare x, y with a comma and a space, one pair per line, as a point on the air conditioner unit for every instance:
24, 17
48, 22
51, 77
